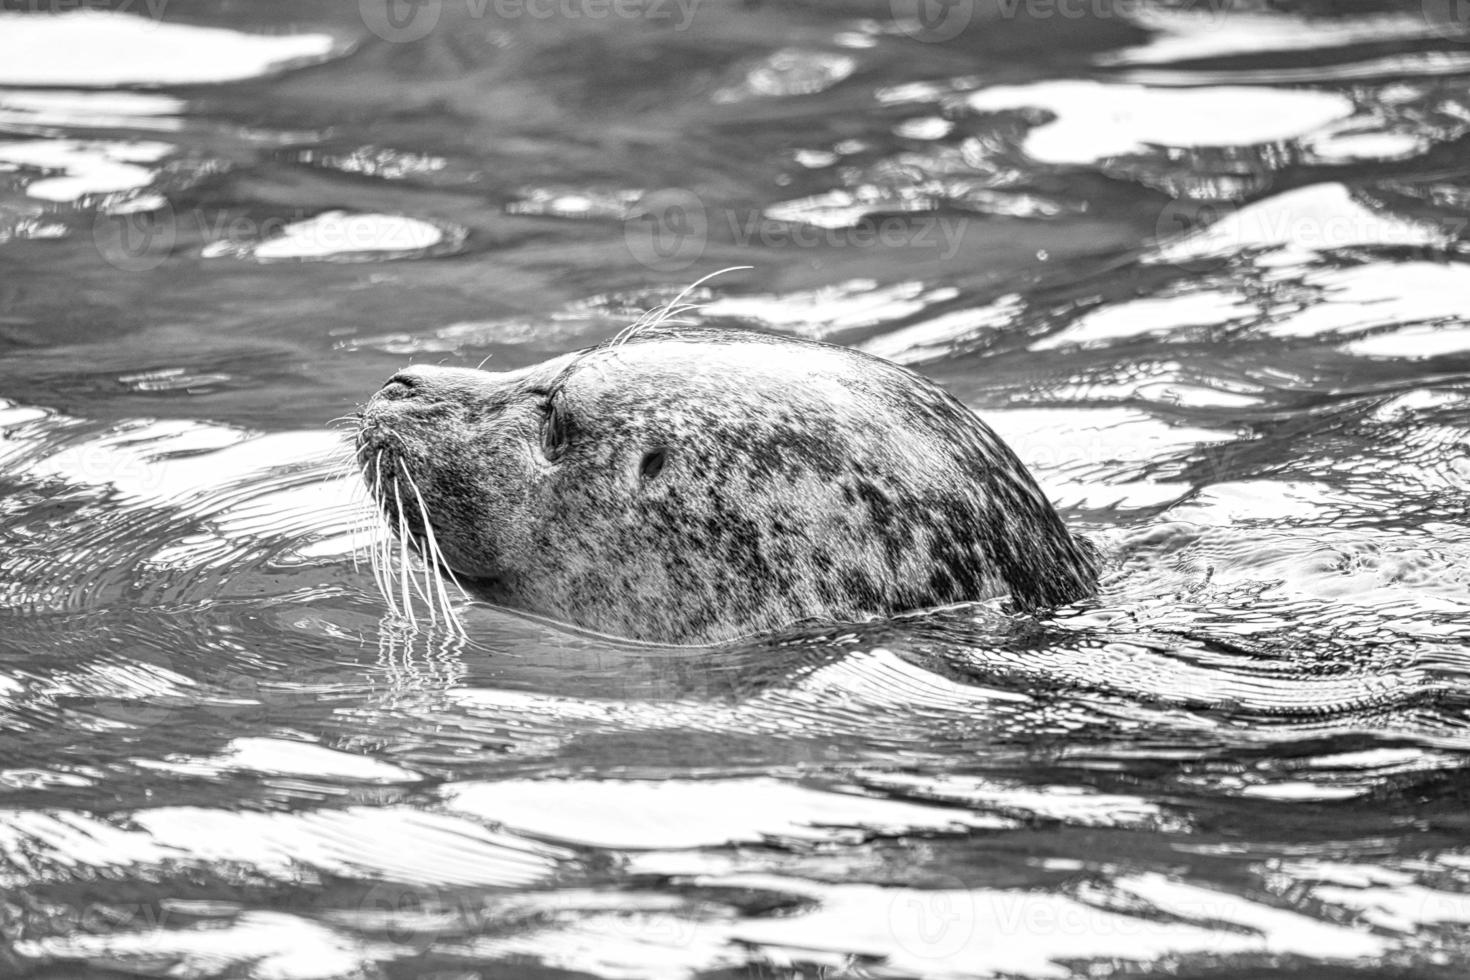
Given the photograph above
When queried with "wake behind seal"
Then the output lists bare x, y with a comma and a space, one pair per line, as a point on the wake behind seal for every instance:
693, 485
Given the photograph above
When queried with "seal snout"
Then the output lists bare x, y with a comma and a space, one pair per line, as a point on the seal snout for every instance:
391, 418
435, 384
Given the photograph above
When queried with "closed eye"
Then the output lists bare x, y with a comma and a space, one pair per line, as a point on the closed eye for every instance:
652, 464
555, 430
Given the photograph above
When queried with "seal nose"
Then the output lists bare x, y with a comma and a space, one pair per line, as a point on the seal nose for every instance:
405, 384
424, 385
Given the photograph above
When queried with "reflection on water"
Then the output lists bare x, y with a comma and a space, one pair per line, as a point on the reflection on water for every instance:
1203, 266
99, 48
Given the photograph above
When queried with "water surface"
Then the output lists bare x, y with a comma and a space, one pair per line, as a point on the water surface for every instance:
1204, 268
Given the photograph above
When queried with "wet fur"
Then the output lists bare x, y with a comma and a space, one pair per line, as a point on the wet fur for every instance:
801, 481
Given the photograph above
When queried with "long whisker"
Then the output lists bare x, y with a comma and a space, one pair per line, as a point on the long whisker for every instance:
446, 570
406, 537
425, 588
665, 313
372, 488
435, 560
437, 564
399, 584
430, 540
680, 310
404, 569
382, 552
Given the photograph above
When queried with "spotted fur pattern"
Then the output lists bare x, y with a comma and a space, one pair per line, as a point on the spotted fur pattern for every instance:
797, 481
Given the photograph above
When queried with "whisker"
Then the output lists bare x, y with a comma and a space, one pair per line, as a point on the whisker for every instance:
435, 561
372, 490
405, 568
665, 314
382, 550
414, 545
393, 566
407, 538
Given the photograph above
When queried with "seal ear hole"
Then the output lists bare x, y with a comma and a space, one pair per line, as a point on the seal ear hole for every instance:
653, 463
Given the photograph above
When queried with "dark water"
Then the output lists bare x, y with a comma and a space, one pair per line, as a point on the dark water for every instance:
1205, 269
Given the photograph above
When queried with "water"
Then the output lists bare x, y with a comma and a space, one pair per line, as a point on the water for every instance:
1206, 270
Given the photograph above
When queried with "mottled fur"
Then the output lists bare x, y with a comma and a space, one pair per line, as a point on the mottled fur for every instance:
798, 481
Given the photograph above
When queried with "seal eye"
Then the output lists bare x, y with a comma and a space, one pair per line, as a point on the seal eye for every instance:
554, 432
653, 464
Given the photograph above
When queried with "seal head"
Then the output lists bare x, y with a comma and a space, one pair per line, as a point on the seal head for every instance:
696, 485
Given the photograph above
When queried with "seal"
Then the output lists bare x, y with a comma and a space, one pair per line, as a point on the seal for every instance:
689, 485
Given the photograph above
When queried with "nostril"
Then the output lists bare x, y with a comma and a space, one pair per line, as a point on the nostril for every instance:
401, 385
